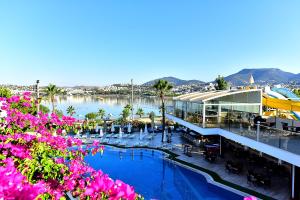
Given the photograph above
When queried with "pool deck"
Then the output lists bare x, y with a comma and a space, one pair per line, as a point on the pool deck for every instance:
279, 189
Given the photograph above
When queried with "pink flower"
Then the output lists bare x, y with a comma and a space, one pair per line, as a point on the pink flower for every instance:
22, 133
250, 198
26, 104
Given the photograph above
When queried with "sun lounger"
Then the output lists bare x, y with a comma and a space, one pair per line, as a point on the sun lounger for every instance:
131, 136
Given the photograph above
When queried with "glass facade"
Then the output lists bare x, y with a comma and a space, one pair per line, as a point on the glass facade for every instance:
235, 113
194, 113
235, 110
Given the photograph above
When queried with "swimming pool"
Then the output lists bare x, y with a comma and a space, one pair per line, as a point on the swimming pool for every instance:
155, 177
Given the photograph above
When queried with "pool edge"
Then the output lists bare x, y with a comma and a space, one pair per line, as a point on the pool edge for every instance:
213, 176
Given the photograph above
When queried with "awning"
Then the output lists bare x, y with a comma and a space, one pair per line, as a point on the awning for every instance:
281, 104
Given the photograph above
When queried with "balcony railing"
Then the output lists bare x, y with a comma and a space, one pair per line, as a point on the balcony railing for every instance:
283, 139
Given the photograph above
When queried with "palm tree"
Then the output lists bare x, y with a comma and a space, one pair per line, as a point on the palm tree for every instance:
140, 112
126, 113
162, 87
51, 92
71, 111
101, 113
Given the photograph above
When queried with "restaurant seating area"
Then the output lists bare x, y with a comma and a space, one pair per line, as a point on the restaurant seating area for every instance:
258, 179
259, 169
234, 167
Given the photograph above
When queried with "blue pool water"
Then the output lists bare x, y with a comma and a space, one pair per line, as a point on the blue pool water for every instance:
156, 178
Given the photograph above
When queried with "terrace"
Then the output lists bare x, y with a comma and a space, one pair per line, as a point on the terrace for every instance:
232, 111
236, 116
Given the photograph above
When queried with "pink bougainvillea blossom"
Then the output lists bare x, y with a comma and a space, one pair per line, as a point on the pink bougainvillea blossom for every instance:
36, 162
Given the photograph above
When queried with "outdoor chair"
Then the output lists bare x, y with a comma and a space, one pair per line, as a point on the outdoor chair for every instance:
251, 179
187, 150
210, 157
131, 136
235, 168
264, 181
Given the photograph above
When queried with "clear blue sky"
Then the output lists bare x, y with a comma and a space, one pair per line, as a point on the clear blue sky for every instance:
99, 42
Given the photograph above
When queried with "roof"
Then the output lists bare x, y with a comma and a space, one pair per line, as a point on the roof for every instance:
202, 97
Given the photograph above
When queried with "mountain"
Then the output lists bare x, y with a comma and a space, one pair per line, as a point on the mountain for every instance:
262, 76
175, 81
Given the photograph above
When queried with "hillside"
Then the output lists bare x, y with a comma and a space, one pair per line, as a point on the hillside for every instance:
175, 81
262, 76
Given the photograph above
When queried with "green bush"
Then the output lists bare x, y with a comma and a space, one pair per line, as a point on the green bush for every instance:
5, 92
91, 115
297, 92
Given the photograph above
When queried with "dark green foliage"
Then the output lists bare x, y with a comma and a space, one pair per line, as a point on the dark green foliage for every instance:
221, 84
297, 92
44, 109
91, 115
5, 92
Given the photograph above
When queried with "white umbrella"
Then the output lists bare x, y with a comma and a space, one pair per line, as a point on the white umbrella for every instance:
141, 134
120, 133
112, 128
129, 128
165, 137
146, 129
97, 128
101, 132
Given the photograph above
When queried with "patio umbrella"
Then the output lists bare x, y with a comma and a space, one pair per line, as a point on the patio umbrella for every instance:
165, 137
241, 127
120, 132
97, 128
129, 128
141, 134
146, 129
101, 132
112, 128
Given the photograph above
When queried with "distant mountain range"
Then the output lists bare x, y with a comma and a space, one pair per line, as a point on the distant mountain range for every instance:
175, 81
260, 75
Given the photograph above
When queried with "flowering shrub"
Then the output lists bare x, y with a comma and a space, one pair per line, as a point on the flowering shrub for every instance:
250, 198
37, 162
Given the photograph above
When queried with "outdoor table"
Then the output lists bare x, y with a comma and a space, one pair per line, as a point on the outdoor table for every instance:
187, 149
292, 128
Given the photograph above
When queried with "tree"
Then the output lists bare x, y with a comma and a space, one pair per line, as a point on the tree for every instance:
221, 83
129, 107
71, 111
140, 112
44, 109
152, 117
162, 87
101, 113
126, 112
59, 113
51, 92
5, 92
297, 92
91, 116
